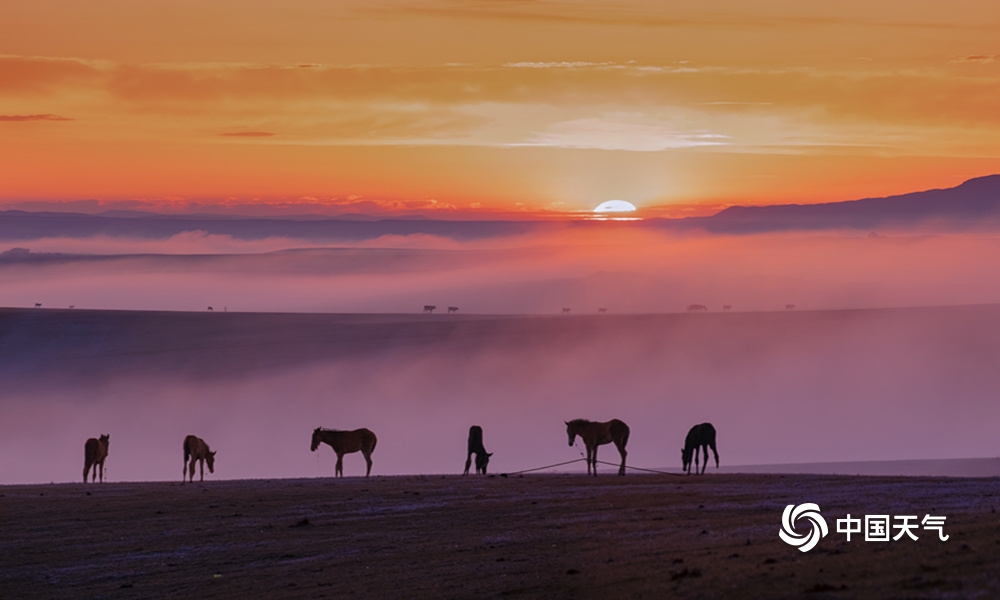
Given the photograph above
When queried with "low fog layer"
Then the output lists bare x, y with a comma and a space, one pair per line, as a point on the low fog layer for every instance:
787, 386
618, 269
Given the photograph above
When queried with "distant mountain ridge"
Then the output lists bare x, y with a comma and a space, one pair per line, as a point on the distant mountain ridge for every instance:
974, 204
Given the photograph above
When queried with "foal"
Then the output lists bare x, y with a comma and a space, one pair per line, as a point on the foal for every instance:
196, 450
94, 453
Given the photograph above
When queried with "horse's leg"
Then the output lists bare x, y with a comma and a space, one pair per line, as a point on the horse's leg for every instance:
716, 453
593, 459
704, 458
101, 464
191, 470
624, 453
468, 463
368, 459
697, 451
201, 468
338, 471
86, 468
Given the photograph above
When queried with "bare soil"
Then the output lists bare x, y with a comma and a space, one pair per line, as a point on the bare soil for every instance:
531, 536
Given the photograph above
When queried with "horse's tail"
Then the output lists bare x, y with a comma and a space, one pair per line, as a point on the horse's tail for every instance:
374, 442
187, 450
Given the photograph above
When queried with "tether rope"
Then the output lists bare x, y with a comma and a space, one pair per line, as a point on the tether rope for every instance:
569, 462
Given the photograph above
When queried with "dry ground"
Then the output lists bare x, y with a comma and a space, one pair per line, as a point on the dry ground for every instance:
531, 536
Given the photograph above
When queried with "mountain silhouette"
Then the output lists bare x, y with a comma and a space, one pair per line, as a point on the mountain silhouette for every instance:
973, 204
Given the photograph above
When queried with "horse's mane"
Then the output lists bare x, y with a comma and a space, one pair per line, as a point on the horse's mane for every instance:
579, 422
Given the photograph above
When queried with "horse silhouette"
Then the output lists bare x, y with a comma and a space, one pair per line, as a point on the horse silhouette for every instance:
697, 308
94, 453
196, 450
346, 442
596, 434
452, 309
566, 311
476, 447
700, 437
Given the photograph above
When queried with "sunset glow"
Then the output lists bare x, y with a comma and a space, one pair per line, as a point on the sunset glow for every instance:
490, 108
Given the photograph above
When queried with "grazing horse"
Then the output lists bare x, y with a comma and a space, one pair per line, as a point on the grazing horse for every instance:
476, 447
596, 434
94, 453
196, 450
346, 442
429, 308
701, 437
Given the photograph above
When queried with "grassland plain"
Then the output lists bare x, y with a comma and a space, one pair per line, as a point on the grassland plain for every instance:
530, 536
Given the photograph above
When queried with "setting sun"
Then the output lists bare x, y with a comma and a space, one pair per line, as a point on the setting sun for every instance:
615, 206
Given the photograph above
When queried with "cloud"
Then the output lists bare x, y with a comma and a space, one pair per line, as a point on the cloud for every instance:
632, 135
250, 134
977, 58
42, 117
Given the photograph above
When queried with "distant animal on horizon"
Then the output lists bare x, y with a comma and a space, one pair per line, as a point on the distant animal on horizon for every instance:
789, 307
210, 309
95, 450
38, 304
565, 311
196, 450
697, 308
596, 434
429, 308
345, 442
476, 447
452, 309
602, 310
700, 437
727, 307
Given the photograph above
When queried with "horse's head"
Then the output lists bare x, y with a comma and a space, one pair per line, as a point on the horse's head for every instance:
571, 432
315, 440
482, 460
105, 438
686, 457
210, 459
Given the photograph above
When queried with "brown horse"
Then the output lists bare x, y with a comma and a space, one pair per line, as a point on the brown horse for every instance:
700, 437
346, 442
196, 450
94, 453
596, 434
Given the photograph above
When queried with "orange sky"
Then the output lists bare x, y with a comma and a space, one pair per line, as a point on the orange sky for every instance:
464, 107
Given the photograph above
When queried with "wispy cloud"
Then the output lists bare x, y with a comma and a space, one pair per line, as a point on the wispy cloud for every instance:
249, 134
629, 134
977, 58
42, 117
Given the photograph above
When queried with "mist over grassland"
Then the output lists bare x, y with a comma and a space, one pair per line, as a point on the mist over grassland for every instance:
780, 387
620, 269
844, 376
